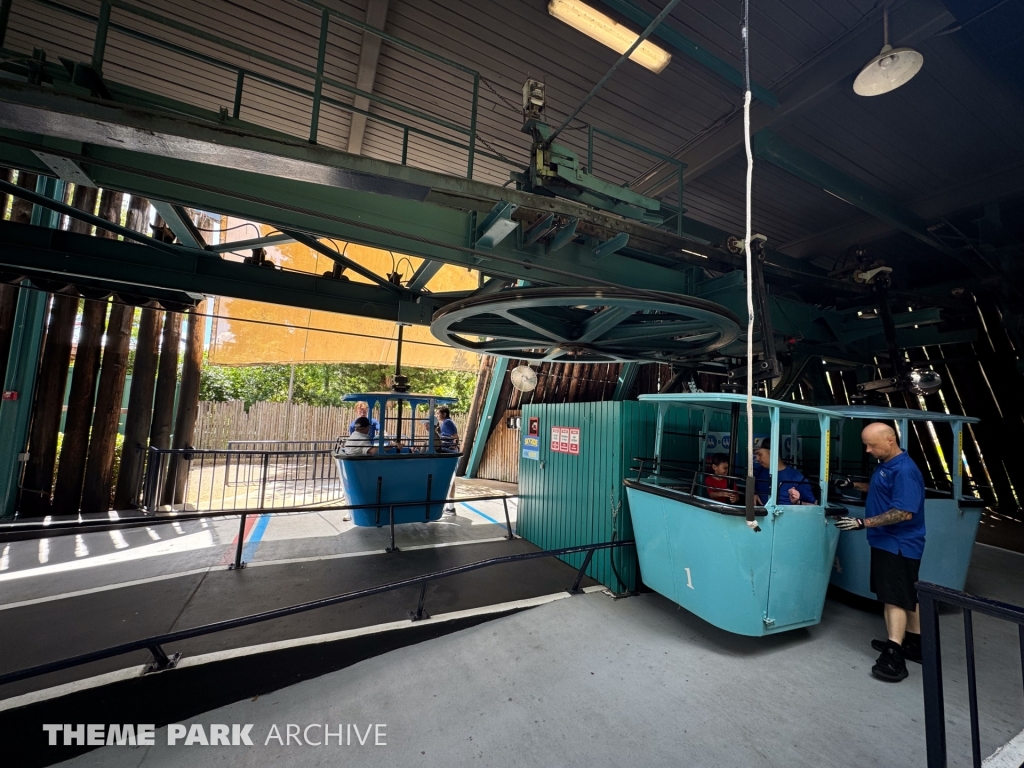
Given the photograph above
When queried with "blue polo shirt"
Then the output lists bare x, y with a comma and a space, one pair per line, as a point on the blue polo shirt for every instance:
790, 477
897, 484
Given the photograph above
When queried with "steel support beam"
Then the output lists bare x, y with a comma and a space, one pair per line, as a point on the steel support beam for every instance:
180, 223
311, 242
69, 255
819, 77
369, 53
694, 50
248, 245
770, 147
627, 376
1004, 183
483, 429
423, 275
23, 361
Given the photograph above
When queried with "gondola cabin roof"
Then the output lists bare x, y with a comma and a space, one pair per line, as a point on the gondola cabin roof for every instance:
408, 397
881, 413
725, 400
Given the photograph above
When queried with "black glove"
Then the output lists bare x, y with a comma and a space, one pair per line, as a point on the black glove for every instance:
849, 523
843, 481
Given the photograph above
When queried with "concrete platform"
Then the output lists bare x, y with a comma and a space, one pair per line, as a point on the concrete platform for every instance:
589, 681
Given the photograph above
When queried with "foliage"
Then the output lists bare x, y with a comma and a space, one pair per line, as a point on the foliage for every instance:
325, 384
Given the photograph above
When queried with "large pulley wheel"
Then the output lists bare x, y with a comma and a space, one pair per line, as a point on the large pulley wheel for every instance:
586, 325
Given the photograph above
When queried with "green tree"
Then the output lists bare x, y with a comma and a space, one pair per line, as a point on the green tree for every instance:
326, 383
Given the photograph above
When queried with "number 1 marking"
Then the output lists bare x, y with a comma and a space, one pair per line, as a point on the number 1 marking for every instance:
689, 581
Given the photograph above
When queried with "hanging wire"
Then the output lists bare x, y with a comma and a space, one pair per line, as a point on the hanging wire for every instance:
746, 249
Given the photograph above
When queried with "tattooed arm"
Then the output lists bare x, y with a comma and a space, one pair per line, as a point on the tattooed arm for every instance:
887, 518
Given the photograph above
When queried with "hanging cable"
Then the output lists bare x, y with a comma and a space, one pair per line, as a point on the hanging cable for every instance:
750, 272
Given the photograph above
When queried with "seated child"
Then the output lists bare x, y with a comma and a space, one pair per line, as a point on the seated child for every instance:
717, 484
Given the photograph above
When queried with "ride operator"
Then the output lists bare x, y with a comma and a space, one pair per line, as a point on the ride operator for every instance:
894, 517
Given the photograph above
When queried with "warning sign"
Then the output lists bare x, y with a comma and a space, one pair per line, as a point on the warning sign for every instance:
565, 440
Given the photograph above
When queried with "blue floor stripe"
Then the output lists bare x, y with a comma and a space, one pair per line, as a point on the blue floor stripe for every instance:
249, 552
471, 508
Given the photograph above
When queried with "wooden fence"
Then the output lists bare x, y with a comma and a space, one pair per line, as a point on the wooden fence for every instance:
220, 422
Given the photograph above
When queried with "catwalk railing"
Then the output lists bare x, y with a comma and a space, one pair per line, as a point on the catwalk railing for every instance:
207, 480
162, 660
930, 597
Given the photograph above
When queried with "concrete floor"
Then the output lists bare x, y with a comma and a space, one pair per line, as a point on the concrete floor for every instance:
593, 682
52, 568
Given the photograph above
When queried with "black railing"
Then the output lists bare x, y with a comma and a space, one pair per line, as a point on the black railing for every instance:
211, 480
161, 660
930, 596
24, 530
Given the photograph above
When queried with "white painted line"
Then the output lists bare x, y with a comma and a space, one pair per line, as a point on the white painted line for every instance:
1010, 755
258, 564
201, 540
63, 690
252, 650
1000, 549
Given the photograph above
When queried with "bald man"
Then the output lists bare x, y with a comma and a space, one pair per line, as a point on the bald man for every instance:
894, 518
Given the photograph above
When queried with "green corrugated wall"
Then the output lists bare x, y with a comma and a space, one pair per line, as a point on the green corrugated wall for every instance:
566, 500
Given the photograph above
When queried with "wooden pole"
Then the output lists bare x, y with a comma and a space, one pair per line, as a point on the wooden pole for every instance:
7, 174
138, 215
479, 393
99, 466
166, 383
140, 410
21, 209
75, 446
37, 482
188, 400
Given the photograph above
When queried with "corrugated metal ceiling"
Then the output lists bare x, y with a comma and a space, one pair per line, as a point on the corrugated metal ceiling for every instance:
955, 121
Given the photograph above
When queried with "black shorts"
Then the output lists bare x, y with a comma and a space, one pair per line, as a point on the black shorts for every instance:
893, 578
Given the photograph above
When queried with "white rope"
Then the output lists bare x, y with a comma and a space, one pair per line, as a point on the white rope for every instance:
750, 288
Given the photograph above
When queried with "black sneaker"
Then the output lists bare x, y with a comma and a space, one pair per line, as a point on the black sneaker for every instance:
890, 666
911, 647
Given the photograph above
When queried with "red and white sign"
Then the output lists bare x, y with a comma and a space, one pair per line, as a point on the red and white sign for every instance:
565, 440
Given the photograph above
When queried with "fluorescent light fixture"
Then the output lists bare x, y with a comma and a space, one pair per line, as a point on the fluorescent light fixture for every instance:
609, 32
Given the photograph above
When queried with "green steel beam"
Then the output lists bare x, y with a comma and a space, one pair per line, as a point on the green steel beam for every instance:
483, 428
694, 50
247, 245
770, 147
627, 375
180, 224
24, 247
340, 258
23, 362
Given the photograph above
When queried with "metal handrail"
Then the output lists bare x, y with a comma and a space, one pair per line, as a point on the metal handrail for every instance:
24, 530
318, 78
930, 596
162, 661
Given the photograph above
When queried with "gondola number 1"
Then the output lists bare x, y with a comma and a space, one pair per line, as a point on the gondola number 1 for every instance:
689, 581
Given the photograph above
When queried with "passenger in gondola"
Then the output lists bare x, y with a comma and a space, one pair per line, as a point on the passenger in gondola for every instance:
359, 442
717, 484
794, 488
362, 411
447, 432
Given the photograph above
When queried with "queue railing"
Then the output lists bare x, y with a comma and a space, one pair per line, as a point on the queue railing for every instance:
163, 660
930, 597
